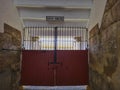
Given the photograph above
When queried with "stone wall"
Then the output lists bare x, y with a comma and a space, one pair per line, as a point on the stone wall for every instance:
104, 66
10, 45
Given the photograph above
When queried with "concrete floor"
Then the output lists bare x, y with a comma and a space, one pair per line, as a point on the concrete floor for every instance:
54, 87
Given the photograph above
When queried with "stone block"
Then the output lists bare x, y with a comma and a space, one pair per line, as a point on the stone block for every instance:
94, 31
105, 66
10, 44
107, 19
12, 31
5, 80
116, 12
110, 4
112, 15
100, 81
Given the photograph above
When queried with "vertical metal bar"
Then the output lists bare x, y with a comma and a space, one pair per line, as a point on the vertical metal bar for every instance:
47, 39
42, 45
30, 29
80, 37
39, 34
39, 39
73, 33
46, 48
71, 39
44, 30
23, 39
52, 39
36, 45
86, 38
43, 37
41, 30
55, 45
66, 38
75, 40
75, 36
83, 36
26, 39
61, 38
29, 39
35, 39
25, 43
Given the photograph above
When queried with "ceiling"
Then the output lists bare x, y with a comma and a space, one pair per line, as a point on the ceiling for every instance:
34, 12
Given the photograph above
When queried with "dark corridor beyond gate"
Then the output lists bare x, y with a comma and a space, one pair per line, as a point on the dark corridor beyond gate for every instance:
55, 56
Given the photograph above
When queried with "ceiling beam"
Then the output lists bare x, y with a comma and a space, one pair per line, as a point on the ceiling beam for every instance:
53, 7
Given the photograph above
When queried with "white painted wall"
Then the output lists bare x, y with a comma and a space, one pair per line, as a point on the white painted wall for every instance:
42, 13
97, 13
9, 15
75, 15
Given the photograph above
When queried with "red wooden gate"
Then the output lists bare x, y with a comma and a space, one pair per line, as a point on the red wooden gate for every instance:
72, 68
54, 66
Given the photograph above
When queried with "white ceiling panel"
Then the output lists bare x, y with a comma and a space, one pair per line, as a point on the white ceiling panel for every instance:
42, 13
58, 3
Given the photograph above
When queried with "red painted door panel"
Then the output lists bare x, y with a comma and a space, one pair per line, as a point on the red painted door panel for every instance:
35, 69
74, 68
71, 70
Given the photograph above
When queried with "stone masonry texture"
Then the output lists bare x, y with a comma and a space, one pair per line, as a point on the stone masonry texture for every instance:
10, 46
104, 51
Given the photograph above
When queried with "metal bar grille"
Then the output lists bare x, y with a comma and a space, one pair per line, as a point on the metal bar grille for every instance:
42, 38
